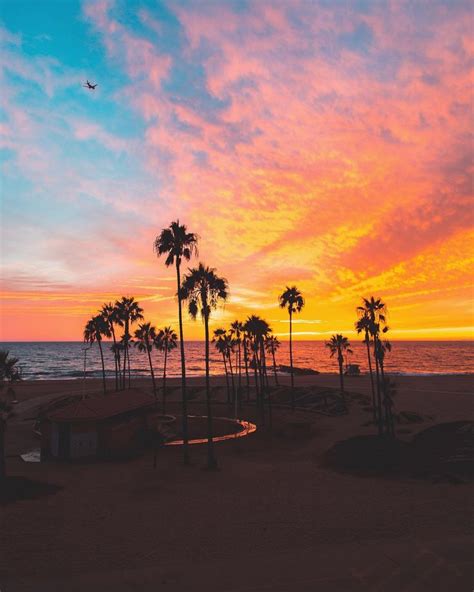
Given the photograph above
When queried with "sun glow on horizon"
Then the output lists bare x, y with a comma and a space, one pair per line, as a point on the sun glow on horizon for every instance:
323, 146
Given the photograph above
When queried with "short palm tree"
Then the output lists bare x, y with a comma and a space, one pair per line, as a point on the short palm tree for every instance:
236, 332
293, 301
177, 244
9, 374
166, 342
258, 330
95, 329
223, 345
272, 344
110, 315
145, 337
129, 312
338, 344
203, 290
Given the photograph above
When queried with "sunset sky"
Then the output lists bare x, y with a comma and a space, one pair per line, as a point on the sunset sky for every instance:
324, 144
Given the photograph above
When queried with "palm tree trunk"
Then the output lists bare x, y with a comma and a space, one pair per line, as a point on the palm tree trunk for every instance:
246, 361
152, 374
385, 398
211, 460
340, 359
379, 397
128, 366
367, 343
115, 355
291, 365
183, 371
226, 378
231, 376
275, 367
99, 341
125, 353
164, 381
240, 372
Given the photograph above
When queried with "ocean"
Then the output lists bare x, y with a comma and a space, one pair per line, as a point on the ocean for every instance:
65, 359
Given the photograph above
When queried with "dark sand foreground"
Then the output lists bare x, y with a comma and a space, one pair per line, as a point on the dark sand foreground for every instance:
273, 517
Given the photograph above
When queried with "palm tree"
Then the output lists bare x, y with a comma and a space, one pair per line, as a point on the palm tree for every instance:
166, 341
374, 309
145, 336
129, 312
9, 373
222, 344
236, 332
293, 301
272, 344
110, 315
95, 329
177, 244
382, 348
203, 290
339, 344
363, 325
246, 346
258, 329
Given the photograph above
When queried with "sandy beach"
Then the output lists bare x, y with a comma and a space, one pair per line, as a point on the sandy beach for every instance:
273, 517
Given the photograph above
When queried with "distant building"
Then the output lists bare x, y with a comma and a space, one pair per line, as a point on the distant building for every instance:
103, 426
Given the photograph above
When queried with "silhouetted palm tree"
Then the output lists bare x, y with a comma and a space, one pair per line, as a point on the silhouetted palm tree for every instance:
129, 312
110, 315
177, 244
374, 310
338, 344
272, 344
236, 332
293, 301
95, 329
258, 329
203, 290
383, 347
363, 325
9, 374
222, 344
166, 341
145, 336
246, 347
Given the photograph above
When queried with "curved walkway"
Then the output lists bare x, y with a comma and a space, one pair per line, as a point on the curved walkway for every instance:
247, 429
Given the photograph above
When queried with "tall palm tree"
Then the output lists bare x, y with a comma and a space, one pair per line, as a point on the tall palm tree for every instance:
129, 312
203, 290
110, 315
293, 301
95, 329
177, 244
272, 344
145, 337
363, 325
9, 373
166, 341
338, 344
374, 309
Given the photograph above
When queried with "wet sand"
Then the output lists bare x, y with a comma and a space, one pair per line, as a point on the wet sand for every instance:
273, 518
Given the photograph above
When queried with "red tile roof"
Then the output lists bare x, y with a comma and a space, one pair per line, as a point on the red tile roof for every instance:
102, 407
